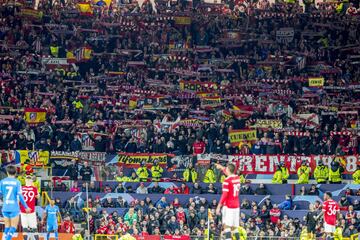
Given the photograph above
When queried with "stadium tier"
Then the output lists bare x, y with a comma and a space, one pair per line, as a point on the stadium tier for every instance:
179, 119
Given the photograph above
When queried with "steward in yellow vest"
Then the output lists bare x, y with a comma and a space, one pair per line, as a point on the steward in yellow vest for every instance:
321, 173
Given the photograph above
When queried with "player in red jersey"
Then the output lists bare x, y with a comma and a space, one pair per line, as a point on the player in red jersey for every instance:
230, 203
29, 220
330, 211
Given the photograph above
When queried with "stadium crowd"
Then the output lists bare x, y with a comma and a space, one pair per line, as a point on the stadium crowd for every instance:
144, 216
259, 77
124, 85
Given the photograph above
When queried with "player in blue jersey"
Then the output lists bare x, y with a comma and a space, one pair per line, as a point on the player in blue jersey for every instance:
10, 189
50, 214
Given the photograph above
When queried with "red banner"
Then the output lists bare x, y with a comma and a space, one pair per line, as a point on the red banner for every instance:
172, 237
149, 237
266, 164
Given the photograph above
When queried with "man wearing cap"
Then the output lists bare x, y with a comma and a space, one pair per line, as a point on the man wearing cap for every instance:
303, 173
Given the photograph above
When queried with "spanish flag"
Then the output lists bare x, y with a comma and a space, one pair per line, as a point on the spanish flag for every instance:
132, 103
85, 9
35, 115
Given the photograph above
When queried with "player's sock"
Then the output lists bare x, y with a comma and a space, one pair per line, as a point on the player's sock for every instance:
47, 236
56, 235
10, 233
6, 232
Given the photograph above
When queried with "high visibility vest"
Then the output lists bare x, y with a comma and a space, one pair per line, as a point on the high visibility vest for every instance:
122, 179
142, 173
187, 173
209, 176
303, 174
156, 172
334, 176
321, 174
277, 177
356, 176
285, 173
70, 56
54, 50
338, 234
61, 71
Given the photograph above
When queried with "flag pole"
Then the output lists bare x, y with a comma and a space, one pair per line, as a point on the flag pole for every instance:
87, 206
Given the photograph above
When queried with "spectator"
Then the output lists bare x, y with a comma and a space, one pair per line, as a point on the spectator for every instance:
344, 202
202, 214
313, 190
211, 189
261, 190
162, 203
130, 217
246, 190
120, 188
121, 203
92, 187
198, 147
75, 187
196, 188
67, 225
107, 189
86, 172
141, 189
184, 189
108, 203
287, 204
156, 188
73, 170
264, 213
275, 214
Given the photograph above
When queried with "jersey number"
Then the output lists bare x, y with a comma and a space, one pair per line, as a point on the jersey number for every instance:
331, 210
28, 195
9, 192
236, 189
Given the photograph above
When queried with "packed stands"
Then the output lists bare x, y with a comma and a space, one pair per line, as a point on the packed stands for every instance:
143, 101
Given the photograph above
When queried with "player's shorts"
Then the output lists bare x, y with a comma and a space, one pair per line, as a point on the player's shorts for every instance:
29, 220
231, 216
51, 227
10, 214
329, 228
